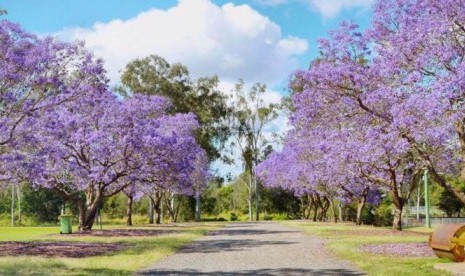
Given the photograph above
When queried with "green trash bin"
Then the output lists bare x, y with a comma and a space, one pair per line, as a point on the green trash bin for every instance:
65, 221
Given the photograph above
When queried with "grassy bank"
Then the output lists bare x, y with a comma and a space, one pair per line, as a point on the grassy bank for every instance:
346, 240
140, 252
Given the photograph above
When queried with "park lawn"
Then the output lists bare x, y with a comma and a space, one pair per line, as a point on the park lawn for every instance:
141, 252
345, 241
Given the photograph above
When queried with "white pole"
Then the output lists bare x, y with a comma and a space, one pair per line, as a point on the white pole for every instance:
12, 205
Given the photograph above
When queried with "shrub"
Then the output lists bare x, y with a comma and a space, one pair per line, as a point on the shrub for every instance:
267, 217
233, 216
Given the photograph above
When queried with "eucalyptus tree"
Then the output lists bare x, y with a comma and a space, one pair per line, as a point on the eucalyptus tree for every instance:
250, 115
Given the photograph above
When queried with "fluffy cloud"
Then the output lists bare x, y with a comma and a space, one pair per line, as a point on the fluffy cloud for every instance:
331, 8
233, 41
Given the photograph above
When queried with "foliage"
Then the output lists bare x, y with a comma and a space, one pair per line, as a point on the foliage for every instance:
63, 129
377, 108
450, 204
153, 75
383, 214
233, 216
280, 201
43, 205
248, 119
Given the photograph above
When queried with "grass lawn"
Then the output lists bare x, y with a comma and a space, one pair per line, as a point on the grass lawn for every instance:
141, 251
345, 241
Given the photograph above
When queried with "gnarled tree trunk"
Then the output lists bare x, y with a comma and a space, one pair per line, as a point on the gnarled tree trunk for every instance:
361, 205
88, 209
398, 202
157, 206
334, 208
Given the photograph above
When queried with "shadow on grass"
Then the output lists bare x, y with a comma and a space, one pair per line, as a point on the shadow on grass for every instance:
261, 272
103, 271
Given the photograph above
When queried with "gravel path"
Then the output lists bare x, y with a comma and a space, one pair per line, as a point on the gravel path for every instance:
254, 249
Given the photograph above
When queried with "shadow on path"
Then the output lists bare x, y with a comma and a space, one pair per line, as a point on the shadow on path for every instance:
224, 245
238, 232
261, 272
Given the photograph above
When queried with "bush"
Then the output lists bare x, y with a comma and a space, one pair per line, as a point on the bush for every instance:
41, 205
368, 215
233, 217
267, 217
281, 217
383, 216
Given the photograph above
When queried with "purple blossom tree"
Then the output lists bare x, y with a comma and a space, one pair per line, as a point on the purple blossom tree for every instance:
37, 74
420, 55
101, 145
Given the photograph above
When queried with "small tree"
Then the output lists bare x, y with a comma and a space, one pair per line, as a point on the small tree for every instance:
249, 117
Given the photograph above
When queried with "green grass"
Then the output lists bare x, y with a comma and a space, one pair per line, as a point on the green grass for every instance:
141, 252
345, 241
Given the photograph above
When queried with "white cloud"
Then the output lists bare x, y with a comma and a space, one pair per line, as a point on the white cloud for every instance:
233, 41
331, 8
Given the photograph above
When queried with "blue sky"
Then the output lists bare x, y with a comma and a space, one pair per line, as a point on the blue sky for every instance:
304, 19
258, 41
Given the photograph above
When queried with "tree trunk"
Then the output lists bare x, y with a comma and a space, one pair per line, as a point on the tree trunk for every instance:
315, 212
326, 206
249, 203
82, 214
88, 210
334, 208
307, 208
155, 200
397, 222
172, 210
151, 207
315, 208
157, 209
257, 193
320, 206
18, 193
360, 206
91, 214
257, 202
197, 207
129, 210
398, 206
418, 202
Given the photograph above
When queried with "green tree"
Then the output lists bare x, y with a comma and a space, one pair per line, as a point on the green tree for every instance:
153, 75
41, 204
449, 203
250, 114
